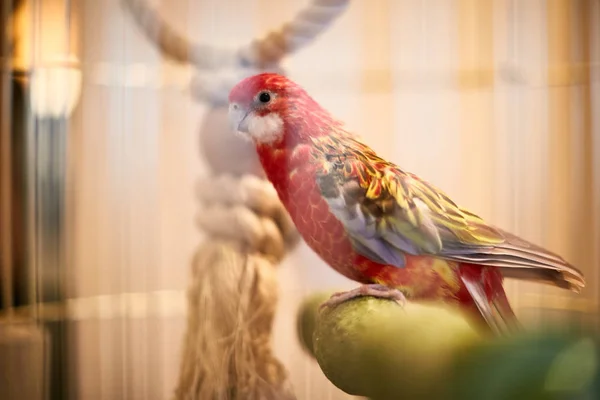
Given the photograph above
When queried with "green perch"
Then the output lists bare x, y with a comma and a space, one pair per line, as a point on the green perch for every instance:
375, 348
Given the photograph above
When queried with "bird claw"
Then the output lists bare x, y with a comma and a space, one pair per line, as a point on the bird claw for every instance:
374, 290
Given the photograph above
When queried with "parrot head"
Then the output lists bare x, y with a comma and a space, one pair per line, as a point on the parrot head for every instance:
270, 109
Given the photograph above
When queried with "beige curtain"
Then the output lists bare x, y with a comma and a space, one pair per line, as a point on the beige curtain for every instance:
497, 102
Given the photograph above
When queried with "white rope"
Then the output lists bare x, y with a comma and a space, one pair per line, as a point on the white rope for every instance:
233, 293
222, 68
171, 43
291, 36
249, 190
245, 210
304, 28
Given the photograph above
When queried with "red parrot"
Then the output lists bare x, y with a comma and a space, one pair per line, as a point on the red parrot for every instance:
377, 224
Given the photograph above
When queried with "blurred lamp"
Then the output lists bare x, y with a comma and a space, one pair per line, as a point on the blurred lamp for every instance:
55, 88
46, 40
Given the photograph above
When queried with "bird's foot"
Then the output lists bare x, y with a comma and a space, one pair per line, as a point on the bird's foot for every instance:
374, 290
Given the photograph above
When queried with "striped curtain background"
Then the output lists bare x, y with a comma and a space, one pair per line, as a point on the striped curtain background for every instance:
497, 102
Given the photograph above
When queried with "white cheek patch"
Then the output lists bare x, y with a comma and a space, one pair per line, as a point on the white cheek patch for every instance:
265, 129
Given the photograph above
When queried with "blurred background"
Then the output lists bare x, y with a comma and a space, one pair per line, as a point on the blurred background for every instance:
496, 102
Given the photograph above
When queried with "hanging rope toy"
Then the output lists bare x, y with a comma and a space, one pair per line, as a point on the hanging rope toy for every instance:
233, 290
233, 293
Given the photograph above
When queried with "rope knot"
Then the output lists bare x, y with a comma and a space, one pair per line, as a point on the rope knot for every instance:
246, 210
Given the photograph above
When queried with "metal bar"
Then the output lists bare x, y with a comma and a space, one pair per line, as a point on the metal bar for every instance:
5, 162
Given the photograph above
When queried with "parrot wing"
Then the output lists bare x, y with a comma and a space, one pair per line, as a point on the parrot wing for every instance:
388, 213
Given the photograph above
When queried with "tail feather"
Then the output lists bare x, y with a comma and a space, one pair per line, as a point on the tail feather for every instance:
551, 277
520, 259
490, 300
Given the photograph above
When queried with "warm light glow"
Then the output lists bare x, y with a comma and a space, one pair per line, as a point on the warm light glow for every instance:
55, 90
46, 45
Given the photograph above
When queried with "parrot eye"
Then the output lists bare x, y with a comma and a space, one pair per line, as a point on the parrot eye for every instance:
264, 97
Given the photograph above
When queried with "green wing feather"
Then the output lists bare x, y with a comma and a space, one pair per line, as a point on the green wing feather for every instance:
388, 213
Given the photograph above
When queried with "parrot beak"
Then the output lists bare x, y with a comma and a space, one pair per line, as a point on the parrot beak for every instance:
237, 118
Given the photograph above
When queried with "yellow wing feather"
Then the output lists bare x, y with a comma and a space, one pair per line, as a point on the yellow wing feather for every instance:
400, 201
